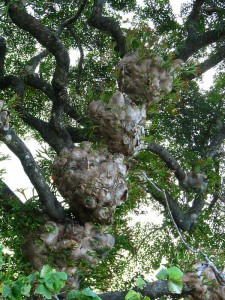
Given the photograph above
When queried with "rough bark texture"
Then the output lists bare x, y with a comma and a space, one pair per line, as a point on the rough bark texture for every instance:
51, 206
107, 25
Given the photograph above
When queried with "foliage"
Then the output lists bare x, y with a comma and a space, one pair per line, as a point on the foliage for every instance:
174, 276
47, 283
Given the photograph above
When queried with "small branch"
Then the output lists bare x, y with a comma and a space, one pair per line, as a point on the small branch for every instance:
74, 18
170, 161
107, 25
49, 202
43, 86
214, 201
33, 63
155, 228
209, 63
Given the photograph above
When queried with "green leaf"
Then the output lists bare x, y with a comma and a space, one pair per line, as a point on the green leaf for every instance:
140, 283
55, 281
88, 292
32, 277
146, 298
163, 273
132, 295
25, 290
16, 291
175, 288
42, 290
46, 270
73, 295
175, 274
6, 291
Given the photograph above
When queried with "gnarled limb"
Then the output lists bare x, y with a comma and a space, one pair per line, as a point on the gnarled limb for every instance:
108, 25
193, 18
48, 134
195, 40
194, 43
183, 219
40, 84
15, 82
154, 290
74, 18
50, 204
170, 161
48, 39
212, 61
52, 43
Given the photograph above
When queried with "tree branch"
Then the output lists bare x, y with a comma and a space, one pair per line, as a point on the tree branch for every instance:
212, 61
15, 82
56, 141
49, 202
193, 17
108, 25
32, 64
52, 43
209, 63
43, 86
153, 290
170, 161
47, 133
40, 84
194, 43
74, 18
7, 194
48, 39
2, 56
183, 219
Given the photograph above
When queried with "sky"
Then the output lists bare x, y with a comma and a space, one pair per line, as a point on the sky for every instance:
16, 177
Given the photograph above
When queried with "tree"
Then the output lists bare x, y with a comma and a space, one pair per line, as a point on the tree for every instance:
93, 130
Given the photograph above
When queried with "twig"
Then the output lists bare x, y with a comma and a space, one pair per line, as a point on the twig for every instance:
142, 241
